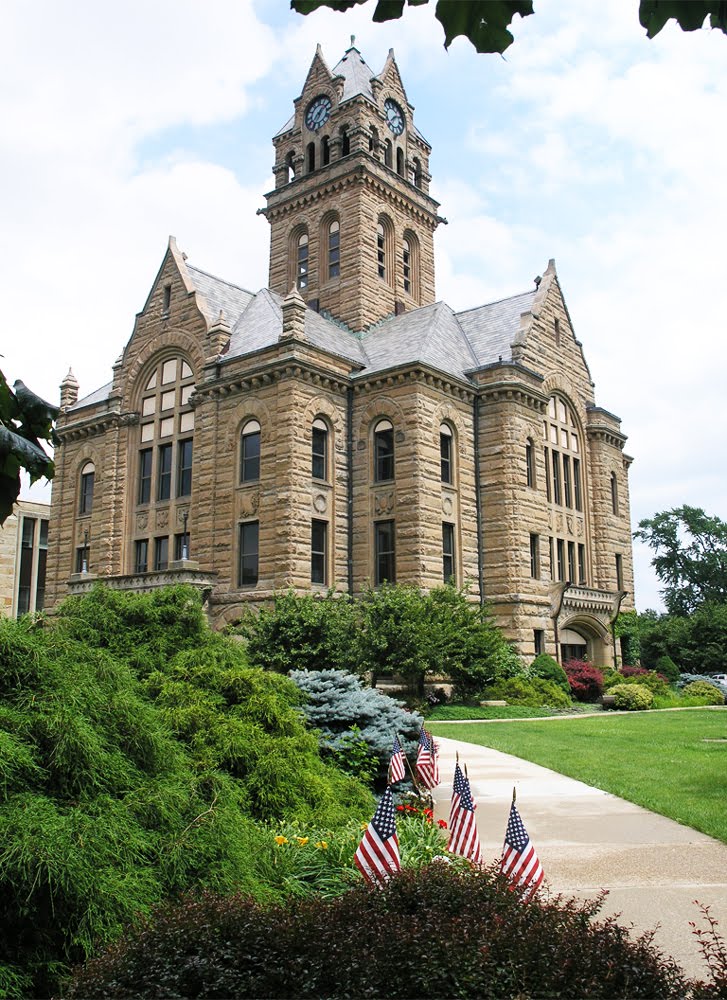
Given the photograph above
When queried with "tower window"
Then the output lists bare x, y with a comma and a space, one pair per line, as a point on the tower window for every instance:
381, 250
619, 571
448, 564
388, 153
166, 300
400, 162
325, 151
334, 250
345, 142
530, 463
290, 166
383, 452
614, 493
247, 573
406, 266
535, 557
384, 552
445, 453
302, 272
319, 450
310, 157
250, 452
319, 552
384, 251
88, 474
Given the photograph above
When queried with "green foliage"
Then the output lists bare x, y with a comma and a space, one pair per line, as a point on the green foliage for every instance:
442, 931
302, 633
690, 557
534, 691
632, 697
486, 23
627, 628
344, 712
550, 670
666, 666
646, 678
704, 690
25, 421
123, 782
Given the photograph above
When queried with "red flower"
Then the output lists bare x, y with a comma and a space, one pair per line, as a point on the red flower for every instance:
442, 823
400, 809
428, 812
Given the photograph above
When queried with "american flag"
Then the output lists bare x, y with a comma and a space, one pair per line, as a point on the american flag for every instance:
519, 861
427, 763
377, 856
397, 770
463, 836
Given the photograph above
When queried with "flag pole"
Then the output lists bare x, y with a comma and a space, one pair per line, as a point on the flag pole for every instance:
411, 772
513, 795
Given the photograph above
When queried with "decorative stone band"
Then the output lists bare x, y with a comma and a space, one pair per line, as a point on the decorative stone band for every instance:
184, 571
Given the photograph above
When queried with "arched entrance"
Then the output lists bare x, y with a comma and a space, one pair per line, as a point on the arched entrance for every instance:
584, 639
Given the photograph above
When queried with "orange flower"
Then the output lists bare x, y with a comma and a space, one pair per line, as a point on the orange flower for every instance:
281, 840
302, 841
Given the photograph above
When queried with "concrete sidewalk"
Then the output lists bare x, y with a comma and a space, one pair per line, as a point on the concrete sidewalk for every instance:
589, 840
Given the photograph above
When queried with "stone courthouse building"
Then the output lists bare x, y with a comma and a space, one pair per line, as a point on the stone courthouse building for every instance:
342, 427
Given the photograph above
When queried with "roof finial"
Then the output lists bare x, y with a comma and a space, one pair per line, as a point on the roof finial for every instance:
353, 41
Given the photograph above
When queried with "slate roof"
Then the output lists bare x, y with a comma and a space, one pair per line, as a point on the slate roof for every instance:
491, 329
219, 294
97, 396
356, 75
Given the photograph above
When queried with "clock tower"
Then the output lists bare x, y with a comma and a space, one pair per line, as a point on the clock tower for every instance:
352, 221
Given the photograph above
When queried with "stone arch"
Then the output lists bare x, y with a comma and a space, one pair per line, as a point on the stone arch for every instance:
329, 263
380, 408
594, 631
173, 343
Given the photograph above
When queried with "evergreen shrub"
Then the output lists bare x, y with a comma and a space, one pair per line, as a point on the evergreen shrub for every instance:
656, 683
666, 666
550, 670
437, 932
586, 681
632, 697
533, 691
342, 710
701, 689
686, 679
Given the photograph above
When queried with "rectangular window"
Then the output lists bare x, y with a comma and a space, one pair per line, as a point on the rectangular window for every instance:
560, 549
161, 554
572, 578
448, 563
445, 455
40, 569
384, 454
145, 458
250, 457
547, 474
247, 574
539, 641
556, 477
535, 556
577, 484
567, 482
550, 558
318, 452
184, 469
181, 546
166, 299
319, 552
141, 555
164, 472
619, 572
86, 492
82, 559
384, 552
581, 564
530, 464
614, 494
334, 250
25, 581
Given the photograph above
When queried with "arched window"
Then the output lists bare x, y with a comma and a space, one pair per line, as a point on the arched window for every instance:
388, 153
384, 238
383, 451
564, 489
415, 172
250, 452
319, 449
614, 493
88, 473
373, 140
302, 262
410, 265
310, 157
345, 141
325, 151
446, 453
334, 249
290, 165
400, 162
165, 460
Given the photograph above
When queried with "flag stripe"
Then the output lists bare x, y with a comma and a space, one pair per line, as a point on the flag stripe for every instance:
377, 856
520, 863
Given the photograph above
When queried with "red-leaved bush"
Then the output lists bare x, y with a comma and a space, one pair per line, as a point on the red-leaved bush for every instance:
586, 681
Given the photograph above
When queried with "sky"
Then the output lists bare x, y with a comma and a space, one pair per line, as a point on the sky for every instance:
123, 124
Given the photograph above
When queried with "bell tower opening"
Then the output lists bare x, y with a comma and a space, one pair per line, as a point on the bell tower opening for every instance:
362, 161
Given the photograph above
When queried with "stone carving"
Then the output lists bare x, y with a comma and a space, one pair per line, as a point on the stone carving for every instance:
447, 506
162, 519
384, 503
141, 521
320, 503
249, 504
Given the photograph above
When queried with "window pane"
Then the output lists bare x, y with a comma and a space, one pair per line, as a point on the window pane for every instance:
186, 422
161, 554
384, 455
169, 371
168, 400
164, 472
186, 370
318, 551
187, 391
147, 432
145, 458
384, 555
448, 565
184, 469
250, 461
318, 453
248, 568
181, 546
148, 406
152, 383
445, 455
556, 477
86, 504
141, 555
166, 427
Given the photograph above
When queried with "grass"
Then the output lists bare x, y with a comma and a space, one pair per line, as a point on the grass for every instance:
663, 761
448, 713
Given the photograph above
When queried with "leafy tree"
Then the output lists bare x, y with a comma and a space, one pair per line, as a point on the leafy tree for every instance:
25, 421
690, 559
486, 23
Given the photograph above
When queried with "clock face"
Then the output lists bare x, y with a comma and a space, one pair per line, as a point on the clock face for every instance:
318, 113
394, 116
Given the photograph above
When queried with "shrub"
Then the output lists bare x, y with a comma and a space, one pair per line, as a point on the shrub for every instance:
341, 709
550, 670
632, 697
666, 666
533, 692
704, 690
437, 932
586, 681
656, 683
685, 679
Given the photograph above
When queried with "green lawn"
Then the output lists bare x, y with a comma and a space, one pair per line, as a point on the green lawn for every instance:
453, 712
663, 761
